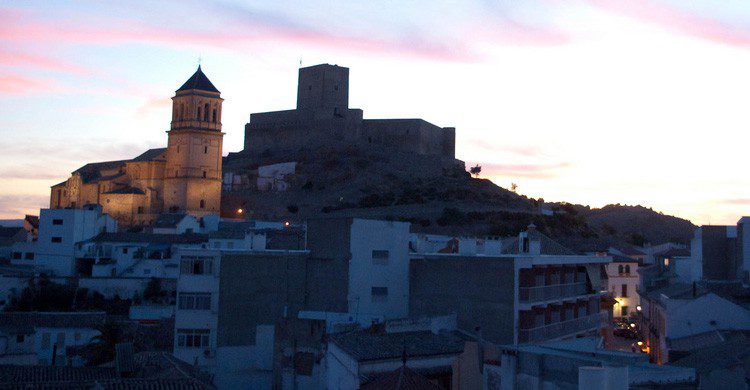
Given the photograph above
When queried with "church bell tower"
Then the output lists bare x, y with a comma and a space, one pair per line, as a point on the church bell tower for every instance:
192, 176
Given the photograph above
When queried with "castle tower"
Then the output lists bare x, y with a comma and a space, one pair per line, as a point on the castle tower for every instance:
323, 88
192, 176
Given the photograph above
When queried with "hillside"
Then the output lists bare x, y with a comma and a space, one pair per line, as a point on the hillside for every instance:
436, 196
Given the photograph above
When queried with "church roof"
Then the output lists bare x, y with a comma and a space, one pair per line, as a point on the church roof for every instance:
198, 81
151, 155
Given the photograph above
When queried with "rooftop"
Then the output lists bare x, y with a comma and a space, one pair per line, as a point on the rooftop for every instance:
364, 346
198, 81
126, 237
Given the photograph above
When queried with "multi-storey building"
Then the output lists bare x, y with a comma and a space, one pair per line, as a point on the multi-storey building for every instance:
532, 290
623, 282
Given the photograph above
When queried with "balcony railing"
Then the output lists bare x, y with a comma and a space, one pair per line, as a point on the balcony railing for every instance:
555, 291
561, 329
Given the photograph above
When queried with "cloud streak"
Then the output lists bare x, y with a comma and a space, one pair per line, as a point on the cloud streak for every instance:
678, 20
531, 171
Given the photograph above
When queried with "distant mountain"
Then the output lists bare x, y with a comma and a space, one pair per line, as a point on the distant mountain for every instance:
446, 200
11, 222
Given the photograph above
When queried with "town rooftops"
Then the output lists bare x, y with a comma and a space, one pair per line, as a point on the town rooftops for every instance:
726, 354
152, 370
126, 237
169, 220
548, 246
53, 319
674, 252
677, 291
366, 346
627, 250
198, 81
401, 378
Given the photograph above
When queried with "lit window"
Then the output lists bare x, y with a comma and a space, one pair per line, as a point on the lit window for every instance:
666, 262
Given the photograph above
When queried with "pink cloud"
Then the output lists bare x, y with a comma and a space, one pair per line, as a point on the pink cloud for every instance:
678, 20
737, 201
534, 171
17, 84
25, 60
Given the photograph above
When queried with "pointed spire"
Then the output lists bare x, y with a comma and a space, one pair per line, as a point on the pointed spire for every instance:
198, 81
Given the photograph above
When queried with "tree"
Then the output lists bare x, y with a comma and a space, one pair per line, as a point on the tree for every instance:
475, 170
153, 290
513, 187
101, 349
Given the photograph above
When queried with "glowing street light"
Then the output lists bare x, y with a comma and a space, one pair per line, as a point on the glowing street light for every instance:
240, 211
639, 308
632, 325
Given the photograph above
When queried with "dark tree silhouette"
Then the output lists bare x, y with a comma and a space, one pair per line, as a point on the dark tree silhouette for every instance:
475, 170
101, 349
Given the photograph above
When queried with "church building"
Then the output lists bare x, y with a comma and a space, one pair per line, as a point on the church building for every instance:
183, 177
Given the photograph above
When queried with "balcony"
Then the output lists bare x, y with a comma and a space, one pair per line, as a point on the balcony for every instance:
552, 292
561, 329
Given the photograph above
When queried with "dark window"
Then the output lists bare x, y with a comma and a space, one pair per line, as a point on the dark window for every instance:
205, 112
194, 301
29, 256
627, 269
56, 239
17, 255
140, 209
196, 266
624, 311
57, 221
525, 245
203, 202
214, 115
204, 174
193, 338
379, 294
198, 115
619, 269
125, 251
20, 338
624, 290
380, 257
205, 150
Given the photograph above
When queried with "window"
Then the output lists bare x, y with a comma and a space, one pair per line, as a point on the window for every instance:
125, 251
193, 338
17, 255
214, 115
56, 239
20, 338
46, 340
205, 150
627, 269
204, 174
57, 221
379, 294
29, 256
198, 115
380, 257
624, 290
619, 269
624, 311
194, 301
666, 262
203, 202
196, 266
140, 209
205, 113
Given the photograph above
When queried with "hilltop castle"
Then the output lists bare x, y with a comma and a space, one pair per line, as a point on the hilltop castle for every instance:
323, 119
183, 177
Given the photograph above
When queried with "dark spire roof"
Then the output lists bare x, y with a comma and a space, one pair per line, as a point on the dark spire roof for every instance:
198, 81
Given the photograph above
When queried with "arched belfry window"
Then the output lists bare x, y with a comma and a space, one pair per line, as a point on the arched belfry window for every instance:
214, 116
619, 269
205, 112
198, 115
203, 204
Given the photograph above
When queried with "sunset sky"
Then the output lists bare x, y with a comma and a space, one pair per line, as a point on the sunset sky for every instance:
590, 101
